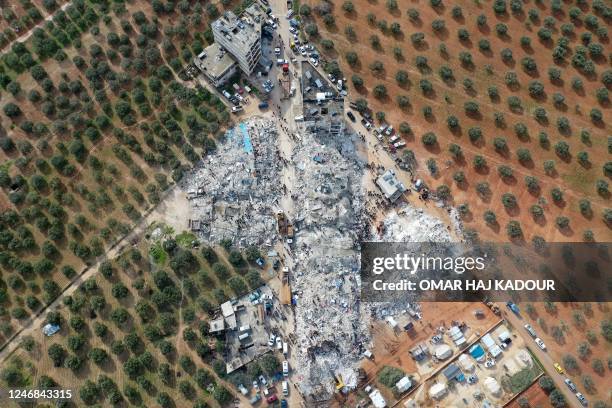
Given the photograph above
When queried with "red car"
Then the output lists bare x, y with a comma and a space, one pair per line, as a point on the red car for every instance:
272, 398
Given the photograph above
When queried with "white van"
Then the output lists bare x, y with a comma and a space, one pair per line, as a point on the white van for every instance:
285, 388
285, 368
285, 348
299, 118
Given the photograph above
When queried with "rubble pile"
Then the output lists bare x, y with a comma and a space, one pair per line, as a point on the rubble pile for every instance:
234, 190
329, 201
411, 224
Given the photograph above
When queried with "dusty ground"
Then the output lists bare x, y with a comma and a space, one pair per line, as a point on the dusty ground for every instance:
391, 348
576, 181
573, 334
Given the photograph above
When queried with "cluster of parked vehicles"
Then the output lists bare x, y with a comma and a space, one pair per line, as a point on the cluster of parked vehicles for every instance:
572, 387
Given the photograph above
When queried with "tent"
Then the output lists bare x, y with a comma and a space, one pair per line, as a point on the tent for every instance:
466, 363
477, 352
452, 372
50, 329
492, 347
456, 334
403, 384
443, 352
377, 399
492, 386
437, 391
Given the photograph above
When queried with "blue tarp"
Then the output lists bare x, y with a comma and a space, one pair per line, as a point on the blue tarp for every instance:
477, 351
50, 329
248, 146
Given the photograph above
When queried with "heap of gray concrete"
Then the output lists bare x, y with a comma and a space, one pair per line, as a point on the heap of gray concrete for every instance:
234, 190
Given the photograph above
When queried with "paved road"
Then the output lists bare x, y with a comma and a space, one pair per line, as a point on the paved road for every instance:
543, 356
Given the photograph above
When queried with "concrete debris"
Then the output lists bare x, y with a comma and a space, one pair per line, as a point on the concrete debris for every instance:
411, 224
233, 192
329, 201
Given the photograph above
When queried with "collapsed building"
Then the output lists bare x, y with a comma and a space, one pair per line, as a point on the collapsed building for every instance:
328, 197
233, 191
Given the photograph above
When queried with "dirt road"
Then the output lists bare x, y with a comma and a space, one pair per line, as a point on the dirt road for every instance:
24, 37
543, 356
36, 322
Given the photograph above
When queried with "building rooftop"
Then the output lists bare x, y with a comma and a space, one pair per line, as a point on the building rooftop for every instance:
244, 29
217, 325
391, 187
214, 60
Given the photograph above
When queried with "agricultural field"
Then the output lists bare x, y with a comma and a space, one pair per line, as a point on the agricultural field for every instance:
137, 332
19, 17
504, 104
96, 126
578, 337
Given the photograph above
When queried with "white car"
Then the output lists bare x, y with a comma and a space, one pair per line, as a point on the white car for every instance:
272, 340
285, 368
279, 343
293, 30
314, 62
303, 51
582, 400
540, 343
256, 386
263, 380
277, 51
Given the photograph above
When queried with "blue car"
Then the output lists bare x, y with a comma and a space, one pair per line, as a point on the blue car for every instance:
263, 105
284, 403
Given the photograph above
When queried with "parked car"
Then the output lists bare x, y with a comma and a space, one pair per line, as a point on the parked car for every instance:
272, 398
256, 385
279, 343
570, 385
350, 116
272, 336
530, 330
277, 51
540, 343
263, 380
558, 368
285, 368
314, 62
285, 388
583, 401
263, 105
284, 403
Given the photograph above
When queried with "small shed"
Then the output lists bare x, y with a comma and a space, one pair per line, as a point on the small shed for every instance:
403, 384
437, 391
492, 386
377, 399
443, 352
466, 363
453, 372
419, 352
477, 352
